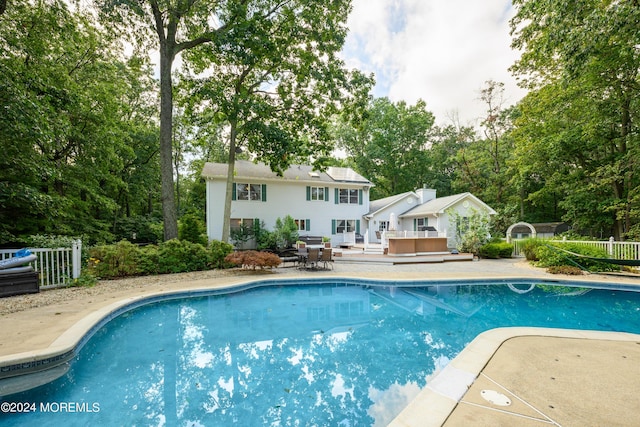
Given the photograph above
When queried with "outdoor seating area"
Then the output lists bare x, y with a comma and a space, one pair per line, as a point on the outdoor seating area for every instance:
315, 258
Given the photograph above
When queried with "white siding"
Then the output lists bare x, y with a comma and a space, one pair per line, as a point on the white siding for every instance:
285, 198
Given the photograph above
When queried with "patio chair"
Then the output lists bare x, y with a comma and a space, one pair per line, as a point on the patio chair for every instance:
326, 258
312, 258
302, 253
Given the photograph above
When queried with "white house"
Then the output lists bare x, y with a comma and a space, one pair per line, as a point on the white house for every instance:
334, 203
421, 210
329, 203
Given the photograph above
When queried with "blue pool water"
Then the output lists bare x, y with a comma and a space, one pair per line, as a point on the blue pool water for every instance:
323, 354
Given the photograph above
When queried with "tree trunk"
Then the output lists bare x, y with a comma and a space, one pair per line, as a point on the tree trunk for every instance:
169, 213
226, 223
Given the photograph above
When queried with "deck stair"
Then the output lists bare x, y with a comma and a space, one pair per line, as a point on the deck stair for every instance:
373, 249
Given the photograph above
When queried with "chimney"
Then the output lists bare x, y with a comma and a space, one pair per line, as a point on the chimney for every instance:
426, 194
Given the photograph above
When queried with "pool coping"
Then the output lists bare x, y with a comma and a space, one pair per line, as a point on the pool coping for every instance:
446, 388
439, 398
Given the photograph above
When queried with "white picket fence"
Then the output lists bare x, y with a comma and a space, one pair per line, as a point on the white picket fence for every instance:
56, 266
617, 250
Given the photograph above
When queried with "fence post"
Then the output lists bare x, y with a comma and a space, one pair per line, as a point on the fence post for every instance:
611, 240
76, 259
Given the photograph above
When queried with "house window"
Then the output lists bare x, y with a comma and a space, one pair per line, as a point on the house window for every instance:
348, 196
384, 226
345, 225
317, 193
247, 191
303, 224
237, 224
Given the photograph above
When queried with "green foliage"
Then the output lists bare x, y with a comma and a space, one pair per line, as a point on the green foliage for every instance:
286, 232
192, 229
177, 256
139, 229
549, 256
242, 234
576, 137
173, 256
218, 251
72, 111
85, 280
472, 232
273, 77
496, 250
530, 248
112, 261
388, 145
253, 259
283, 236
49, 241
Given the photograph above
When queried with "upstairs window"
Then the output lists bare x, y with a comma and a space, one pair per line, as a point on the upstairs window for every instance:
250, 192
318, 193
348, 196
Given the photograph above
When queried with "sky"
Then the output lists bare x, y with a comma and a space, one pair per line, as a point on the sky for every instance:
440, 51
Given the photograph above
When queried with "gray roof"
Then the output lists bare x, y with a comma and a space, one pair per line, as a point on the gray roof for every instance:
378, 205
245, 169
441, 204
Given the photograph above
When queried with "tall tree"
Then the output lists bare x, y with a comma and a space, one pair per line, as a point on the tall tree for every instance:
63, 141
177, 26
273, 80
587, 52
389, 145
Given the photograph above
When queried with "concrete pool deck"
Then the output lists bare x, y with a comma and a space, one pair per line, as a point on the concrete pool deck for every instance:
556, 377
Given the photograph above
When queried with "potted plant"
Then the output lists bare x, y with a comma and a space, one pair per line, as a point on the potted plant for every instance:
301, 244
327, 241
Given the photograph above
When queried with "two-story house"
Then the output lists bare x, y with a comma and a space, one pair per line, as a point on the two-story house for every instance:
329, 203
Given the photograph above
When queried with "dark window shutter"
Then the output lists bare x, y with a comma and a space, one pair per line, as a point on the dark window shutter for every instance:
333, 226
326, 194
264, 192
307, 222
357, 226
337, 194
359, 197
308, 193
233, 191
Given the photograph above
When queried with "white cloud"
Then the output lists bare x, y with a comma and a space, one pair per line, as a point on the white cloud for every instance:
440, 51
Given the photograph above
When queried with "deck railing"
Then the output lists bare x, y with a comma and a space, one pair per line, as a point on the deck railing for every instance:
57, 267
617, 250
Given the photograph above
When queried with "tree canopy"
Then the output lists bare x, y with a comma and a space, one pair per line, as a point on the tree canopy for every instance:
99, 143
272, 83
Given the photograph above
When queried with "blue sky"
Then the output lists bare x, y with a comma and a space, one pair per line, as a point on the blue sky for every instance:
441, 51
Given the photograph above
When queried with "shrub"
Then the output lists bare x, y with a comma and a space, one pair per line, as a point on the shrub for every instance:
472, 232
178, 256
217, 252
253, 259
565, 269
192, 229
110, 261
173, 256
496, 250
149, 260
241, 235
530, 248
549, 256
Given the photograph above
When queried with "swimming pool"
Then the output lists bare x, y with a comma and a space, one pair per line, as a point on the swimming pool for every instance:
347, 352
